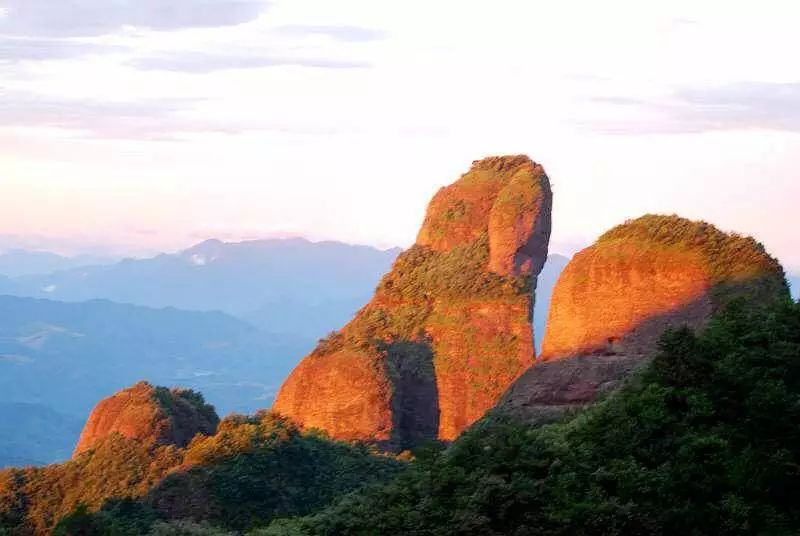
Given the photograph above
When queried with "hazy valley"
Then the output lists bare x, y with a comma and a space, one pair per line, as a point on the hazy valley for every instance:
59, 357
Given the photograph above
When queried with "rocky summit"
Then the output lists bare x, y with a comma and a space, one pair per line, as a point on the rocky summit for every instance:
620, 294
449, 327
149, 414
616, 298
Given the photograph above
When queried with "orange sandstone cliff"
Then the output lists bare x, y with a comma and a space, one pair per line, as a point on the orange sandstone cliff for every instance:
449, 328
149, 414
619, 295
615, 299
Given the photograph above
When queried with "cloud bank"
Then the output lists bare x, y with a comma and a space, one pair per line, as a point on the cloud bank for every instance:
84, 18
742, 105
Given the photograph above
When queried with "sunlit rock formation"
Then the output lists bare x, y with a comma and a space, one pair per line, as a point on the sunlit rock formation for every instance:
449, 328
616, 298
149, 414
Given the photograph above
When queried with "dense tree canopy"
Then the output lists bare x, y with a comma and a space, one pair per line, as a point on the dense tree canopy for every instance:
707, 441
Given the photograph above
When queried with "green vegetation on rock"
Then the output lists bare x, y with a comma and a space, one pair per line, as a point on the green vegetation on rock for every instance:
731, 259
175, 401
459, 273
705, 442
34, 499
254, 469
419, 276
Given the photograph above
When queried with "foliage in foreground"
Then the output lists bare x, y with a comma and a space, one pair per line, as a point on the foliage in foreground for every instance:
707, 442
252, 470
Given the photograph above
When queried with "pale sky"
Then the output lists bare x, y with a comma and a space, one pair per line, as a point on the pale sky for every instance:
142, 125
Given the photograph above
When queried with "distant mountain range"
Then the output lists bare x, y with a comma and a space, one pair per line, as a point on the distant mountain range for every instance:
64, 356
794, 283
20, 262
102, 327
283, 286
544, 290
7, 285
34, 434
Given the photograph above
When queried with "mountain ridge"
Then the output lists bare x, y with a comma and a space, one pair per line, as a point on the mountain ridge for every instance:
283, 285
65, 356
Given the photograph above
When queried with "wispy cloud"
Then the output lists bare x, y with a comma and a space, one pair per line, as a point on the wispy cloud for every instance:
126, 120
201, 62
743, 105
165, 119
747, 104
47, 30
26, 48
339, 33
99, 17
35, 30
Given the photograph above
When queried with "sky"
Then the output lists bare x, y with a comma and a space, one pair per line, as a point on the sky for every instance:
137, 126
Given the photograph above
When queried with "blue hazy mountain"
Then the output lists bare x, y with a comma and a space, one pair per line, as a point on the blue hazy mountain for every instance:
8, 286
164, 319
69, 355
548, 278
58, 358
34, 434
64, 357
284, 286
794, 285
20, 262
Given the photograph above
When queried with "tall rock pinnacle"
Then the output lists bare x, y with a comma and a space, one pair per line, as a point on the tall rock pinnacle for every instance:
449, 328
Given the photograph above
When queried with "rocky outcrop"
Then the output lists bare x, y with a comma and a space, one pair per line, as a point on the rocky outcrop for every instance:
149, 414
516, 215
619, 295
615, 299
549, 390
449, 328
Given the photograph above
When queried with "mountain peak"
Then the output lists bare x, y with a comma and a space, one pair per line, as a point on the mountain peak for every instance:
651, 273
448, 329
149, 414
206, 246
508, 198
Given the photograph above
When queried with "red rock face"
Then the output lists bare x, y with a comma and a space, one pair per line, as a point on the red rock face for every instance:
496, 195
619, 295
346, 393
620, 300
615, 299
149, 414
482, 347
449, 328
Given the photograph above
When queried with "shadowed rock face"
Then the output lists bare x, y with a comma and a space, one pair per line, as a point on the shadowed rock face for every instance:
449, 328
149, 414
615, 299
550, 390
